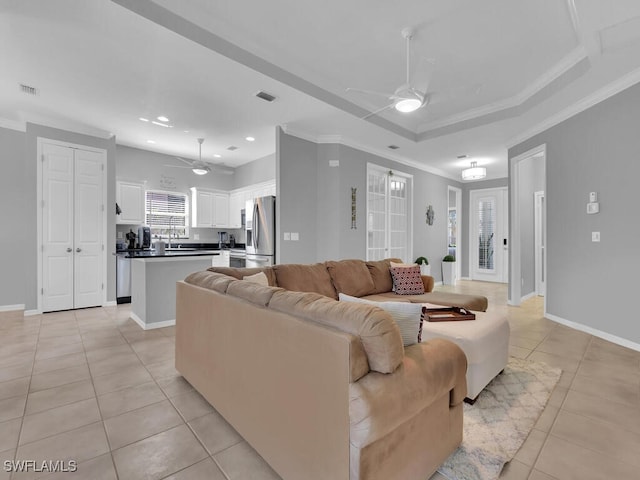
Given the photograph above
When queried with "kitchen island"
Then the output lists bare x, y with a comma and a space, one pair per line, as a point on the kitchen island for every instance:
153, 283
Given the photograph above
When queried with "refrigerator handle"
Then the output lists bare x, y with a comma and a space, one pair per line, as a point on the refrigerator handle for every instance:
255, 225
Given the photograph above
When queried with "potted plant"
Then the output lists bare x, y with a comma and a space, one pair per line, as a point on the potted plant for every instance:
425, 268
449, 270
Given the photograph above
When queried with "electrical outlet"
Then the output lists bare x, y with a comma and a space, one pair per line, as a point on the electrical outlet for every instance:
196, 236
287, 235
595, 236
120, 236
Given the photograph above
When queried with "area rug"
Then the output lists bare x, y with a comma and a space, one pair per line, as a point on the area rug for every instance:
498, 423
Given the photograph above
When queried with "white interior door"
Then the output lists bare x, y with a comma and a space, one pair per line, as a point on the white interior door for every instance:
72, 228
489, 235
88, 247
57, 227
539, 225
388, 214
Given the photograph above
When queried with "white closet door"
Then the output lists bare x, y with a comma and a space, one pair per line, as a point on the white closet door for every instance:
57, 247
376, 215
88, 251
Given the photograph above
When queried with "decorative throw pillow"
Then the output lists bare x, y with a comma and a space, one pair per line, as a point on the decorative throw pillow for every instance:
407, 315
259, 278
407, 280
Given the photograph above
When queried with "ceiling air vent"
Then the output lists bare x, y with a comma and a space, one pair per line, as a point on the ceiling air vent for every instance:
265, 96
232, 148
393, 147
463, 156
28, 89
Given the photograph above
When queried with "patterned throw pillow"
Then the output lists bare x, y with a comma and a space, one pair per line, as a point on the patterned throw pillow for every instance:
407, 280
408, 316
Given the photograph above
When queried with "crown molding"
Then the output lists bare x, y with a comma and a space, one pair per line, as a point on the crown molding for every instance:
587, 102
555, 72
348, 142
17, 125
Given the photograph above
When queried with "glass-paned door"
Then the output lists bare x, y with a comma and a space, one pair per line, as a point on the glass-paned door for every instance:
388, 214
489, 232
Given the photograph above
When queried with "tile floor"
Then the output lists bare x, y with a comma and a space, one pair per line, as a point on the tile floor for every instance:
91, 386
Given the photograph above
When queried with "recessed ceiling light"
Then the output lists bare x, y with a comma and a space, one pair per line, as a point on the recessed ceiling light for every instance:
217, 155
151, 141
249, 139
186, 131
144, 119
160, 124
162, 118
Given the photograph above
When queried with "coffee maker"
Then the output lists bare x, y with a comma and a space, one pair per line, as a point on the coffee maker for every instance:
222, 240
144, 237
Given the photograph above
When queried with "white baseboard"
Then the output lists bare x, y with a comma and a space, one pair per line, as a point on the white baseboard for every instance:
595, 332
112, 303
151, 326
465, 278
30, 313
435, 284
11, 308
528, 296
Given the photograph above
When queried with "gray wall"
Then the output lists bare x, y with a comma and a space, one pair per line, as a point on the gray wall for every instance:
315, 200
531, 181
13, 198
258, 171
466, 217
29, 226
593, 284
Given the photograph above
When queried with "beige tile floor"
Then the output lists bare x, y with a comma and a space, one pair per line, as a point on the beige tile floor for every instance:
91, 386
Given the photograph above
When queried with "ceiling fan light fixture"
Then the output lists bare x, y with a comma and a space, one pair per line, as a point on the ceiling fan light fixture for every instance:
474, 172
408, 105
200, 170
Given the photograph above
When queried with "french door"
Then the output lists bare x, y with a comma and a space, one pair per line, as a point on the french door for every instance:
489, 235
72, 227
388, 214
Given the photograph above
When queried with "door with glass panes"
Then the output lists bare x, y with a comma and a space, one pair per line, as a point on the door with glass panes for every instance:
388, 214
489, 235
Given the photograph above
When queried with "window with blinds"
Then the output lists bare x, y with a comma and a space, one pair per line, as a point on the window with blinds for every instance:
166, 214
486, 230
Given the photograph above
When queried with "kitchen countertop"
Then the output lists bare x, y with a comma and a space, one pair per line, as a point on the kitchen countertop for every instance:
183, 252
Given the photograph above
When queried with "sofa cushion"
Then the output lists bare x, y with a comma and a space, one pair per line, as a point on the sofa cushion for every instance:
251, 292
379, 334
380, 274
210, 280
305, 278
407, 315
407, 280
240, 273
260, 278
477, 303
351, 277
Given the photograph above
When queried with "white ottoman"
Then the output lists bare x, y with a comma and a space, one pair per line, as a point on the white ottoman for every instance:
485, 342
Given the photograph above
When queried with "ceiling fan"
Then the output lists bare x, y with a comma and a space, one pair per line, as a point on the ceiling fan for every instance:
408, 97
200, 167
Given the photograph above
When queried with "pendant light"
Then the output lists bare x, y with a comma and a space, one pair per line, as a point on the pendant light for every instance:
474, 172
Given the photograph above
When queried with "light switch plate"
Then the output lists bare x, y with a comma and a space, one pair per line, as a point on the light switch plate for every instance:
294, 236
593, 197
595, 236
287, 235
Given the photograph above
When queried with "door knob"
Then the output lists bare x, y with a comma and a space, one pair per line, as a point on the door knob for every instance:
78, 250
69, 249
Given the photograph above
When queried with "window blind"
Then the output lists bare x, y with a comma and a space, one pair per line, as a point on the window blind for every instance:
166, 213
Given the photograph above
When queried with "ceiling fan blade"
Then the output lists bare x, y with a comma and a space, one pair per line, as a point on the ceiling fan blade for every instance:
375, 112
369, 92
423, 73
454, 93
188, 162
178, 166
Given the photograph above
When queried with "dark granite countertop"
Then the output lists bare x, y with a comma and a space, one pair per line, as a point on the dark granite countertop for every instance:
184, 252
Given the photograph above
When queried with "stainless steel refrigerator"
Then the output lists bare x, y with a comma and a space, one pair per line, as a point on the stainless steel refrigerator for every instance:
260, 228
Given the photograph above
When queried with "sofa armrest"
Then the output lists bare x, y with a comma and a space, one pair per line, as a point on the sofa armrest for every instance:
428, 282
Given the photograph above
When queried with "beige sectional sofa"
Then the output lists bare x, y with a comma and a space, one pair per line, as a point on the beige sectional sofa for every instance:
321, 389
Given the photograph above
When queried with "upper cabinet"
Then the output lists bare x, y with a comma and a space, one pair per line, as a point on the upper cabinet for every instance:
209, 209
236, 204
130, 199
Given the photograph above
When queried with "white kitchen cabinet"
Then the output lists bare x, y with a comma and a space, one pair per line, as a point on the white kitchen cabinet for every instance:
130, 199
209, 209
236, 204
220, 210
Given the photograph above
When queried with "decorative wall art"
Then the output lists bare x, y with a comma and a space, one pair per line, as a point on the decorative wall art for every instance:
430, 215
353, 208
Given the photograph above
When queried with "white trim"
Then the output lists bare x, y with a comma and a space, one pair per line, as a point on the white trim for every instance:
540, 241
515, 265
31, 313
589, 101
465, 278
151, 326
12, 308
339, 139
528, 296
105, 236
111, 303
17, 125
459, 219
593, 331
